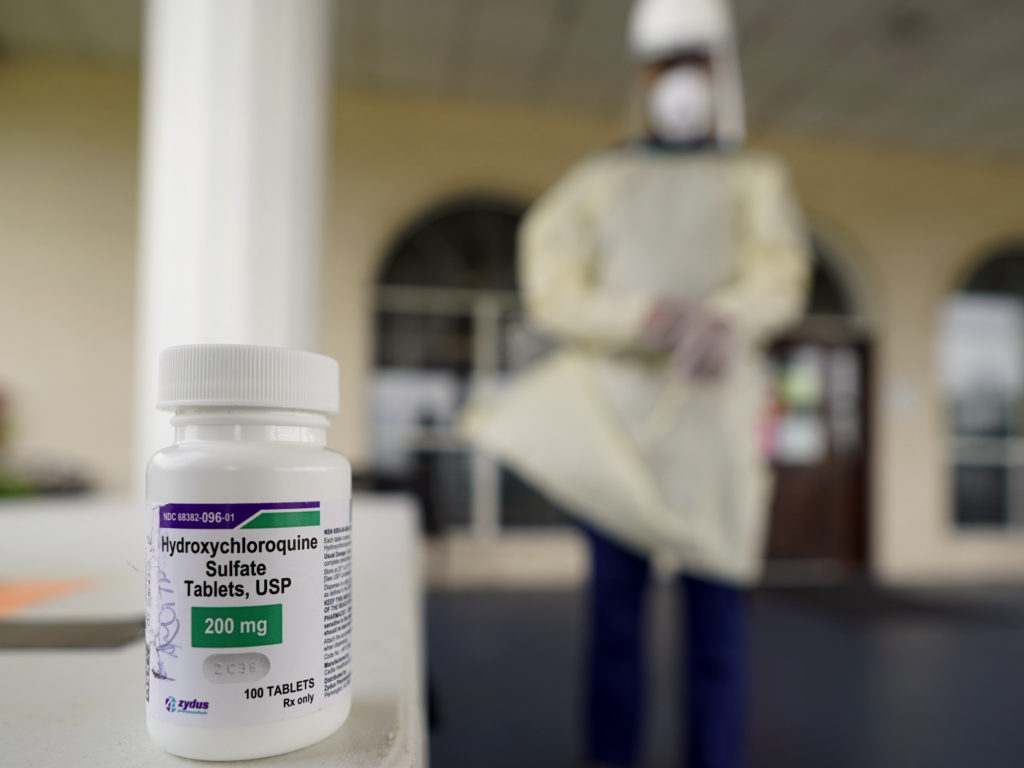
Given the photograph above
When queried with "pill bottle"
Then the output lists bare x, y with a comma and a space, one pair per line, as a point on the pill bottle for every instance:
248, 583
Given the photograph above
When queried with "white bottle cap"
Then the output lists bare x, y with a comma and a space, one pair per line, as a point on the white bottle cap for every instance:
243, 375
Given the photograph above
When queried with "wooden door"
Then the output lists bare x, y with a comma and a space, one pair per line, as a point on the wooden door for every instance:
817, 434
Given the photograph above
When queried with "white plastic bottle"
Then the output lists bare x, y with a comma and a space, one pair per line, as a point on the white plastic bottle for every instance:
248, 604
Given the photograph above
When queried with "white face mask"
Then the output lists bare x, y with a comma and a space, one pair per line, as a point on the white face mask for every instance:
679, 105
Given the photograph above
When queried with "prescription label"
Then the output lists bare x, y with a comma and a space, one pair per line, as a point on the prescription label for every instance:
248, 610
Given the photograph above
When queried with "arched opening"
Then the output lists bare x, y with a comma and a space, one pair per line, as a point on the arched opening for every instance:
817, 432
982, 372
449, 323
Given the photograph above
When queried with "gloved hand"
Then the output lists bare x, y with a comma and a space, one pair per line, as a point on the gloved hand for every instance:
702, 343
705, 348
664, 324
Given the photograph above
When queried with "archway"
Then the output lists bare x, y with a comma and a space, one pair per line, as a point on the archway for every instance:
817, 432
449, 323
982, 372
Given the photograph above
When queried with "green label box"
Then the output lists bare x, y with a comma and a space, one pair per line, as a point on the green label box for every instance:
225, 627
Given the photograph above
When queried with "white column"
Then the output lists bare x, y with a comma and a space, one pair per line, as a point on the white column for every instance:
234, 152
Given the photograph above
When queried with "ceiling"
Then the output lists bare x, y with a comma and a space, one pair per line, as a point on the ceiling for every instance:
934, 73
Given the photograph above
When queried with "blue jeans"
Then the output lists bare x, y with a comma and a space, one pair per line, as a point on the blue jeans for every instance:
715, 669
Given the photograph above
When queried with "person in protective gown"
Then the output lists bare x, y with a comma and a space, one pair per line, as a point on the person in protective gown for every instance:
665, 265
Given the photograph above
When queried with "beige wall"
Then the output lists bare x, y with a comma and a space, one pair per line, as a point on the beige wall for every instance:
908, 225
67, 246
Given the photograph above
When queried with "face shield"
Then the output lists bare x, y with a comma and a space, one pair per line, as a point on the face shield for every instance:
666, 30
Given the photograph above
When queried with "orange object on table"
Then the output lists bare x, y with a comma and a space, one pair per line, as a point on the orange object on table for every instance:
15, 596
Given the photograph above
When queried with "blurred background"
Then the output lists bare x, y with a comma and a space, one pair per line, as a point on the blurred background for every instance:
889, 626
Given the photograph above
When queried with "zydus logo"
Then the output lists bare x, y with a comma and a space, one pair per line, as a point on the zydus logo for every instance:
192, 707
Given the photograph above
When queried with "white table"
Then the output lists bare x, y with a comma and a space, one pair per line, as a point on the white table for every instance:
61, 708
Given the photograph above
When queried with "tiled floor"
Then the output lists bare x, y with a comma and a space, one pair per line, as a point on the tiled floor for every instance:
843, 678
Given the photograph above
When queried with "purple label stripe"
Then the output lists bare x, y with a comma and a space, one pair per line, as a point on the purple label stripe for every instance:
220, 516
